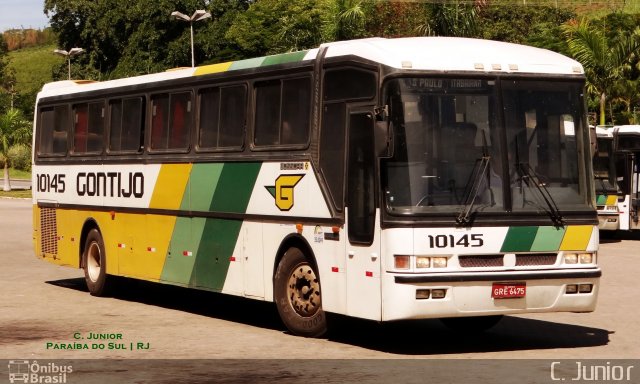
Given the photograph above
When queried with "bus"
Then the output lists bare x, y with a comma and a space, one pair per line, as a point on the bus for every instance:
627, 154
383, 179
606, 180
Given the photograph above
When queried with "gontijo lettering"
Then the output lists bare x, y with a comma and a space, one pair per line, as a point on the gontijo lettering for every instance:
110, 184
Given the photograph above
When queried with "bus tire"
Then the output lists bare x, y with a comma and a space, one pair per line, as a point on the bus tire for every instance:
472, 324
94, 262
298, 296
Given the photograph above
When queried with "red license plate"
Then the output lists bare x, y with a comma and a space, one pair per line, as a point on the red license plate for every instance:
508, 290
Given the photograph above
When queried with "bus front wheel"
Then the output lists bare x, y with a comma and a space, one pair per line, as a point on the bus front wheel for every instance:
298, 296
95, 264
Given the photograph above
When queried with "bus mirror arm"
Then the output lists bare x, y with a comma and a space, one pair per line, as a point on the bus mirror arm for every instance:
384, 138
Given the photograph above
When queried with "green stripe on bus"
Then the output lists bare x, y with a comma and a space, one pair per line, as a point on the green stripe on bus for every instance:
248, 63
200, 249
178, 267
284, 58
216, 247
203, 182
601, 199
519, 239
548, 239
235, 186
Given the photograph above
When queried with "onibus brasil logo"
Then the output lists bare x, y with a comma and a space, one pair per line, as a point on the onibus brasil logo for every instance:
25, 371
282, 191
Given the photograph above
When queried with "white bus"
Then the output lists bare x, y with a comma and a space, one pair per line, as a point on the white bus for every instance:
627, 152
383, 179
606, 181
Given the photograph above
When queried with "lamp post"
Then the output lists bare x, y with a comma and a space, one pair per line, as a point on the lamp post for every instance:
71, 52
200, 14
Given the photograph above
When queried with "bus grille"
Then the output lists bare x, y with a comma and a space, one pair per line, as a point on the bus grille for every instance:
538, 259
48, 231
481, 261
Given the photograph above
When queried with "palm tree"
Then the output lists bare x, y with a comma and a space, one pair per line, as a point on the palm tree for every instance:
14, 129
453, 19
604, 63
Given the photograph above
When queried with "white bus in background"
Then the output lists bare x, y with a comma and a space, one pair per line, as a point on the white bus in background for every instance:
627, 154
606, 181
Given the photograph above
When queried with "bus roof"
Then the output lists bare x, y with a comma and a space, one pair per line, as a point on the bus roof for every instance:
412, 53
627, 129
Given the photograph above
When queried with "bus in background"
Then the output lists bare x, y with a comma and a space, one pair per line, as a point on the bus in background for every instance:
627, 150
606, 181
383, 179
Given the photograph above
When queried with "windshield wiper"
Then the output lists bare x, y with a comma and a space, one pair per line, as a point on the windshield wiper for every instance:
479, 171
528, 176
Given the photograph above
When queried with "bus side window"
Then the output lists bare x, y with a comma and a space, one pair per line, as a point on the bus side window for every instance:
126, 125
180, 120
80, 128
159, 129
223, 112
282, 111
54, 125
88, 127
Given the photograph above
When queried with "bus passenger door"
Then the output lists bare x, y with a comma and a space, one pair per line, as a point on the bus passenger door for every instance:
363, 245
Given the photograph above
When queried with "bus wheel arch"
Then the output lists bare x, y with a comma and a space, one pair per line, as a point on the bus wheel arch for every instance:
93, 259
297, 289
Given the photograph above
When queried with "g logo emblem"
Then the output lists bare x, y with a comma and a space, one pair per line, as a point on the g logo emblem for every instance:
282, 191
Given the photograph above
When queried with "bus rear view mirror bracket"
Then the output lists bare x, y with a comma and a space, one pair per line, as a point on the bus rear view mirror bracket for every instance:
384, 139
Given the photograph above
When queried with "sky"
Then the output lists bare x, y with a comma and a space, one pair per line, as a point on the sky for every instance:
22, 13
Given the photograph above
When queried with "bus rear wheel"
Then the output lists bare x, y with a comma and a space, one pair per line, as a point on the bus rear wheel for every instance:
298, 295
94, 262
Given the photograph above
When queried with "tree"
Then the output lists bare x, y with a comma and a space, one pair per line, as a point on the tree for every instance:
604, 62
14, 130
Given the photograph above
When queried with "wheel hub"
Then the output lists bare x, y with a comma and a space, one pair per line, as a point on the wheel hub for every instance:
303, 291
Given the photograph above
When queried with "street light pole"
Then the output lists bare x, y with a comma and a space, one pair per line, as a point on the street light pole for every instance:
198, 15
68, 54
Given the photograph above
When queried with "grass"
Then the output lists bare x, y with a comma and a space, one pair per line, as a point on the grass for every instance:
17, 194
33, 66
19, 174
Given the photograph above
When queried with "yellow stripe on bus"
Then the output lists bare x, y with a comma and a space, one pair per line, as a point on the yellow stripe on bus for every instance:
170, 186
612, 200
213, 68
576, 238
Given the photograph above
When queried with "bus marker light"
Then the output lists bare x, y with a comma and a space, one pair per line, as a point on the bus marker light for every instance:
423, 262
232, 258
151, 249
571, 289
401, 261
113, 215
438, 293
368, 273
335, 269
570, 258
439, 262
122, 245
423, 294
299, 228
187, 253
335, 229
585, 288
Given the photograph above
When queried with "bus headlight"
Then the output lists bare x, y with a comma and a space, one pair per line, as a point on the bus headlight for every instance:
423, 262
570, 258
439, 262
585, 258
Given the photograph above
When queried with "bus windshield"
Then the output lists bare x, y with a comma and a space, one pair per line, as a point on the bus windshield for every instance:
469, 144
